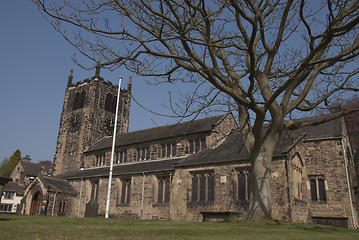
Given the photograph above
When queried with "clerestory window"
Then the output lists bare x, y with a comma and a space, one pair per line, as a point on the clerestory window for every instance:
100, 160
169, 150
195, 145
143, 153
121, 157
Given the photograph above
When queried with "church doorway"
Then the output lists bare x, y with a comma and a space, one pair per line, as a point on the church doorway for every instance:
36, 204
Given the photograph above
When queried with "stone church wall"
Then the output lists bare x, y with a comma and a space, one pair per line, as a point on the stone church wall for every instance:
134, 209
225, 202
325, 158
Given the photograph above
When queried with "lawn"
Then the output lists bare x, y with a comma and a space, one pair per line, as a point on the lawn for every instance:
44, 228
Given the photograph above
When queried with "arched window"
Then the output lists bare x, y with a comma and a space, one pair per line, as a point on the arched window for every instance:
79, 100
297, 176
317, 188
108, 102
244, 184
82, 99
203, 187
76, 103
114, 103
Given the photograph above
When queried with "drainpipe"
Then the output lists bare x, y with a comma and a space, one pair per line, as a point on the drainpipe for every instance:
286, 163
348, 183
53, 205
78, 209
169, 203
142, 197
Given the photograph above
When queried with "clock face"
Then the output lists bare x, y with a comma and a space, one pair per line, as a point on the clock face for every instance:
109, 126
74, 122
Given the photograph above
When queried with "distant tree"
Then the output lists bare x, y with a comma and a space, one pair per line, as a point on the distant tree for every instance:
275, 59
10, 164
3, 166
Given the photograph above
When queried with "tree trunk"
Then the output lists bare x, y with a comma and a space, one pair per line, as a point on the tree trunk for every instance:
261, 204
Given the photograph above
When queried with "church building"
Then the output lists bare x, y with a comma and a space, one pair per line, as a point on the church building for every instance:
190, 171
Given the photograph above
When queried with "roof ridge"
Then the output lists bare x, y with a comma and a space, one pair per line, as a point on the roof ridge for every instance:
179, 123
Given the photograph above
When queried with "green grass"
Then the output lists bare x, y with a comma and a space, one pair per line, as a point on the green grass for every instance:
44, 228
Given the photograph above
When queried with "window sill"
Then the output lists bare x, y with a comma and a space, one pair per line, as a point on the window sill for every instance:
299, 200
122, 205
160, 205
194, 204
319, 201
242, 202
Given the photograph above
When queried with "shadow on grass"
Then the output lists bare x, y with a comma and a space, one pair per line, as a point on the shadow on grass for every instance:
4, 219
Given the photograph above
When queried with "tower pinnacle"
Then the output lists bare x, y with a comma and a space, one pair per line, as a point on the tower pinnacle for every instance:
71, 76
129, 84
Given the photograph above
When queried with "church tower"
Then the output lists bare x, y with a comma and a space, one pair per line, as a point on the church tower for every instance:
88, 114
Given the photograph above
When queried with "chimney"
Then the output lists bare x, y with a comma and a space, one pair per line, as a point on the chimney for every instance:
26, 158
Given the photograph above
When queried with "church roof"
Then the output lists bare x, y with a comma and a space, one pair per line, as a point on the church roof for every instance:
163, 132
57, 185
124, 169
232, 148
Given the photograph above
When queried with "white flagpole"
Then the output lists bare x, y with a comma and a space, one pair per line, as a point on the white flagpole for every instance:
113, 150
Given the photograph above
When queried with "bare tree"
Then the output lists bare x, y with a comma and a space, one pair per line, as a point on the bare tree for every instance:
272, 58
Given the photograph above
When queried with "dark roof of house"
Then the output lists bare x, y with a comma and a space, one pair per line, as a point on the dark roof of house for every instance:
4, 180
124, 169
163, 132
14, 187
57, 185
330, 129
33, 169
232, 148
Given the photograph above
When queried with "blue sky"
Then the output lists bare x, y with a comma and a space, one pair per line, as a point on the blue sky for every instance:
34, 63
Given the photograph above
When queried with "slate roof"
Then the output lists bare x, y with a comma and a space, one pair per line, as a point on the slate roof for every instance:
4, 180
33, 169
333, 128
163, 132
14, 187
231, 149
124, 169
57, 185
